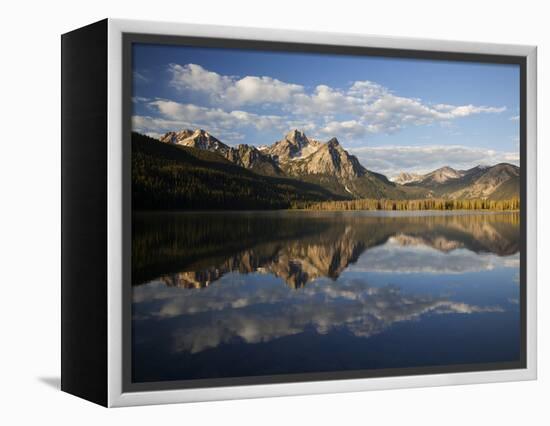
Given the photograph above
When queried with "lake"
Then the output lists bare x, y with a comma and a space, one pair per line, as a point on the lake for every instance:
232, 294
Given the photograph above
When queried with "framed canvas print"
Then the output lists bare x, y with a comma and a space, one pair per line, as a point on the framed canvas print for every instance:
252, 213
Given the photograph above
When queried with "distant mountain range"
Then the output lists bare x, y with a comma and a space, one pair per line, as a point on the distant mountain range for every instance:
299, 168
494, 182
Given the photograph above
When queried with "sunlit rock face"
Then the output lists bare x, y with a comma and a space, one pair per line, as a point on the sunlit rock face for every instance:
329, 159
294, 145
489, 181
404, 178
441, 175
329, 165
243, 155
499, 181
198, 138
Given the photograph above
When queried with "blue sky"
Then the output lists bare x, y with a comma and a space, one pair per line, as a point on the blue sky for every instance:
394, 114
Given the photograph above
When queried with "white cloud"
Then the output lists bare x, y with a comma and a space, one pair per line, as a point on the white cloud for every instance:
363, 108
230, 90
391, 160
325, 100
156, 127
377, 110
139, 99
348, 129
367, 90
196, 116
140, 77
390, 113
450, 111
195, 77
514, 118
370, 104
253, 90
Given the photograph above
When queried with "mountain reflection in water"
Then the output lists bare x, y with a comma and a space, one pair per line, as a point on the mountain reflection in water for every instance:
211, 287
189, 250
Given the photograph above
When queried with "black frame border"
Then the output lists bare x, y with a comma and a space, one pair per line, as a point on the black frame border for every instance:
128, 39
84, 233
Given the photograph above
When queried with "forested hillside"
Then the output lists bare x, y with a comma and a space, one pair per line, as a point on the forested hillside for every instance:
193, 170
177, 177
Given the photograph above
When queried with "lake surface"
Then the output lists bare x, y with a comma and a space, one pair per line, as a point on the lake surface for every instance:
230, 294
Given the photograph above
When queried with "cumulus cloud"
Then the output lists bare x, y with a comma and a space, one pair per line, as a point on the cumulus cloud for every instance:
195, 77
391, 160
350, 129
364, 107
229, 90
235, 108
326, 100
155, 127
375, 109
225, 119
171, 115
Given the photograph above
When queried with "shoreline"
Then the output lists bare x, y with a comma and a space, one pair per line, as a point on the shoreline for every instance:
397, 212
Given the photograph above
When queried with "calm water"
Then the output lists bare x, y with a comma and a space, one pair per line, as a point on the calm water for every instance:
261, 293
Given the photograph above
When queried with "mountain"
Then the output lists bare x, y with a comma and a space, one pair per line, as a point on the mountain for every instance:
488, 181
437, 177
440, 176
474, 170
403, 178
252, 158
497, 182
506, 190
329, 159
328, 166
178, 176
331, 166
245, 156
297, 156
198, 138
293, 146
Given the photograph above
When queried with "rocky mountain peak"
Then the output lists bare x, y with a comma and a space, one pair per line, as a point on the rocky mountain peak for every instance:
197, 138
329, 159
297, 136
501, 171
404, 178
439, 176
294, 145
477, 168
333, 143
331, 166
243, 155
442, 175
489, 180
176, 137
